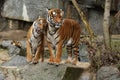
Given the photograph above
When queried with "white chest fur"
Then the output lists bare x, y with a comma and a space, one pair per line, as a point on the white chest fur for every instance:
53, 38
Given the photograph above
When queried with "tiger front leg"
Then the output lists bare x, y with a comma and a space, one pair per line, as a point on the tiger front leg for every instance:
39, 53
29, 54
58, 53
51, 51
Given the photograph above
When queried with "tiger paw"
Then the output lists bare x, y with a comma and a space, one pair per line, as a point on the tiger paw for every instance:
35, 61
74, 62
57, 62
69, 60
29, 60
51, 61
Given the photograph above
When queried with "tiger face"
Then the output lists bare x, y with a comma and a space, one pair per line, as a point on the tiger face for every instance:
39, 24
55, 17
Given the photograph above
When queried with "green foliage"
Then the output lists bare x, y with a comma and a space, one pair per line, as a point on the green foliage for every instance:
115, 45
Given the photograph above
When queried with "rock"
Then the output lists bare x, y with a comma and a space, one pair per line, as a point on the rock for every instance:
4, 56
10, 73
13, 35
14, 50
95, 22
83, 53
44, 71
28, 10
108, 73
17, 69
86, 76
16, 61
6, 43
2, 77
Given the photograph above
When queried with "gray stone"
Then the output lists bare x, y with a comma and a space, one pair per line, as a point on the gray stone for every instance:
3, 24
86, 76
28, 10
2, 77
14, 50
108, 73
83, 53
44, 71
6, 43
16, 61
96, 24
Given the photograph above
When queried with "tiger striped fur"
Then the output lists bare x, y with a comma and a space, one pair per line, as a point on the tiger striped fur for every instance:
62, 32
35, 41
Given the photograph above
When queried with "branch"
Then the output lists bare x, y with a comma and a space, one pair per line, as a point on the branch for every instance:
87, 25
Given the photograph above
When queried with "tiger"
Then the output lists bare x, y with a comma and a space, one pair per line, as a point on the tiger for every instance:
62, 32
35, 41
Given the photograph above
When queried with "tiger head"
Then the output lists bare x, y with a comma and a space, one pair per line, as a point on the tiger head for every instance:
39, 24
55, 17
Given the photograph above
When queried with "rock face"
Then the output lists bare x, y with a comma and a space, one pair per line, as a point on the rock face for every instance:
83, 53
13, 35
108, 73
18, 69
2, 76
14, 50
45, 71
15, 61
28, 10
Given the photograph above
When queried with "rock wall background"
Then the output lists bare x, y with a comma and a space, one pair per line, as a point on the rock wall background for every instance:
21, 13
17, 16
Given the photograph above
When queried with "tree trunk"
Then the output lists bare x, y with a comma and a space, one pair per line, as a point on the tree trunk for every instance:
83, 17
106, 24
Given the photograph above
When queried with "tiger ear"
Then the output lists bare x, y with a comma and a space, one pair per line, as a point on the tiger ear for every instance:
47, 9
39, 17
62, 12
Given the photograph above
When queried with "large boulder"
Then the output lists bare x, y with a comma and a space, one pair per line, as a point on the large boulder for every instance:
108, 73
13, 49
28, 10
2, 77
15, 61
45, 71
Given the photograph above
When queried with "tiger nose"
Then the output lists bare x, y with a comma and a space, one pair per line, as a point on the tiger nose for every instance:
59, 20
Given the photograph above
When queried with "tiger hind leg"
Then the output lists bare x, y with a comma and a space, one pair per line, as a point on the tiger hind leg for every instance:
69, 52
76, 52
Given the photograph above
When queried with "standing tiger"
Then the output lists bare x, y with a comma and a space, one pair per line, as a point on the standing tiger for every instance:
35, 41
62, 32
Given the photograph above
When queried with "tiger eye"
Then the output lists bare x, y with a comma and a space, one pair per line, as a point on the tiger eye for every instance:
54, 13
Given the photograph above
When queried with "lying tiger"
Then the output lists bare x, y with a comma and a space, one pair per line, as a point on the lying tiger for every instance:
62, 32
35, 41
